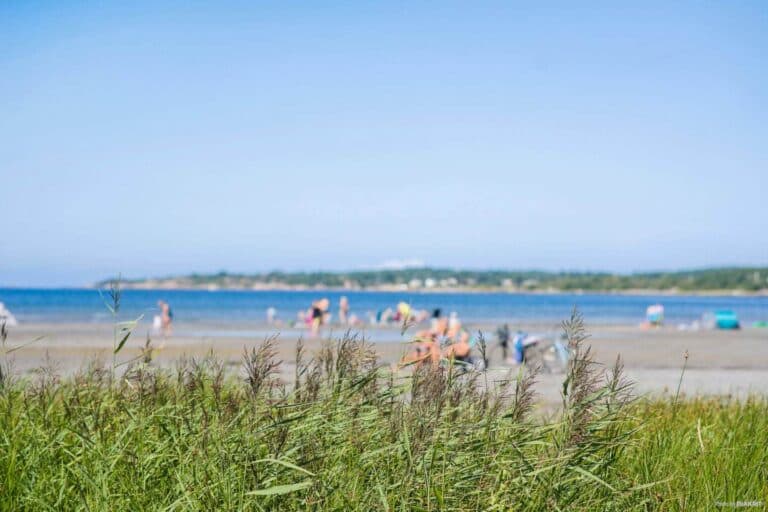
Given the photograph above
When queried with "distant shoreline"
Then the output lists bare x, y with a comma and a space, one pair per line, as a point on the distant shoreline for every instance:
726, 281
450, 290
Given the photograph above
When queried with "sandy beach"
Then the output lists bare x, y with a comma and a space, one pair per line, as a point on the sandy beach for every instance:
720, 362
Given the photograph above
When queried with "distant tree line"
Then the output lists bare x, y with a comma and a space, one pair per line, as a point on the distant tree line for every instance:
745, 279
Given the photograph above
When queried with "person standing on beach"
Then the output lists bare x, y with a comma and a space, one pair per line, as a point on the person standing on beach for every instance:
343, 310
271, 315
166, 317
319, 312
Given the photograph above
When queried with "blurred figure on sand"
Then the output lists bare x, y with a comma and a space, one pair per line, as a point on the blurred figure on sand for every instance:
166, 318
271, 315
318, 314
436, 314
403, 312
344, 310
654, 316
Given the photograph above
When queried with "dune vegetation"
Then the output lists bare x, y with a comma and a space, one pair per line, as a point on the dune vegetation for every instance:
347, 433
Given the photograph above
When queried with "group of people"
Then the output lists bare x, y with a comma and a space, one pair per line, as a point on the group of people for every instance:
446, 338
401, 314
319, 314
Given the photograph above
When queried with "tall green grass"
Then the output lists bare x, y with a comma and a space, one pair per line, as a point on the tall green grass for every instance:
345, 433
710, 453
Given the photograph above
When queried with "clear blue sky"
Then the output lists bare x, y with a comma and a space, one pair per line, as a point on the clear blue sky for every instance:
255, 136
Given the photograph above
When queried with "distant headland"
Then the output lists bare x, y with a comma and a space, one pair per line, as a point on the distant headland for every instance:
752, 280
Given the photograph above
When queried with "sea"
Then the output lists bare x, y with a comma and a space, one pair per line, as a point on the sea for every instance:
191, 307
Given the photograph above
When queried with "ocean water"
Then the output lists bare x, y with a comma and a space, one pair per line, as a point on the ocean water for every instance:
249, 307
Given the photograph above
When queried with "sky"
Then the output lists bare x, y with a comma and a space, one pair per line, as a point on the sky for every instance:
160, 138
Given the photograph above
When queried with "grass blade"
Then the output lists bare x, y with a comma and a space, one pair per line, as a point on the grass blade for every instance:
280, 489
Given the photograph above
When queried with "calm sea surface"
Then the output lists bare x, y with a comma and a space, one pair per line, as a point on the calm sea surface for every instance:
238, 307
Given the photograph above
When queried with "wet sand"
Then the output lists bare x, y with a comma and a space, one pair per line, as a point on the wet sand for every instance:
720, 362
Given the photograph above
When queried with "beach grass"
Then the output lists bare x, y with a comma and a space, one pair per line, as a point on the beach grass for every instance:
346, 433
